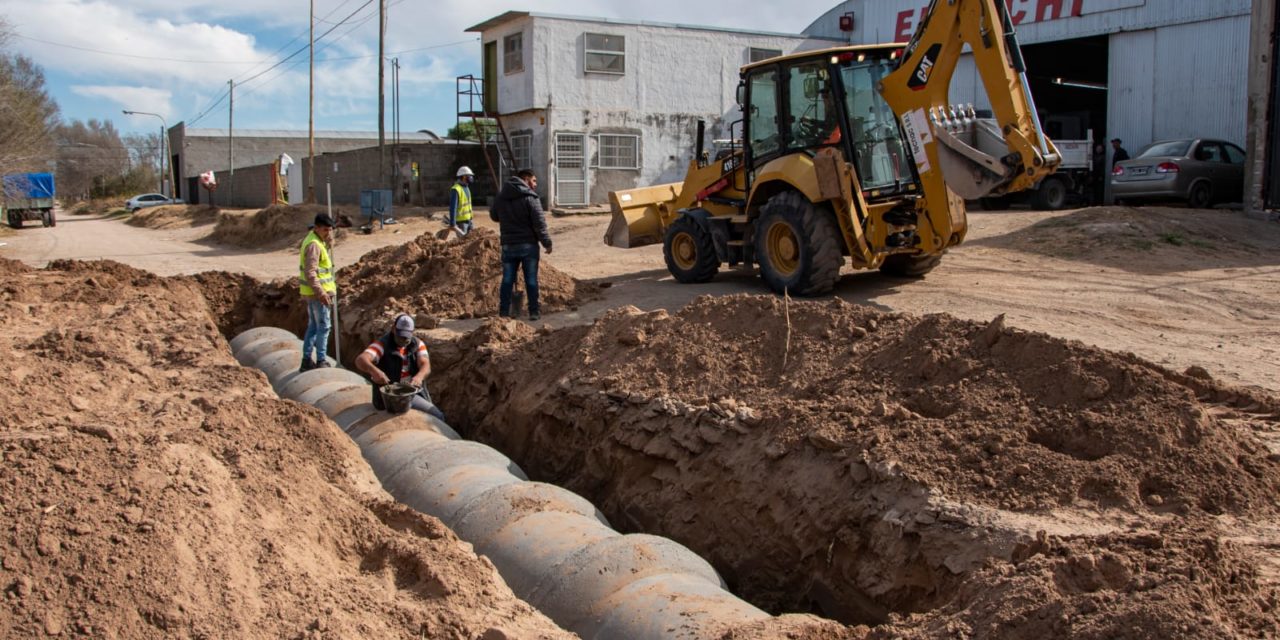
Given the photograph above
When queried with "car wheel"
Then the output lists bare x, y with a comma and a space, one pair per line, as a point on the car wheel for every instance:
1200, 196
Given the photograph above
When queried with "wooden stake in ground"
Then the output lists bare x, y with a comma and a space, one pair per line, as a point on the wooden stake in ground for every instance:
786, 310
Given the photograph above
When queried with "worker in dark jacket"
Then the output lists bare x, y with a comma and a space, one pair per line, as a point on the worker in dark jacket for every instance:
522, 227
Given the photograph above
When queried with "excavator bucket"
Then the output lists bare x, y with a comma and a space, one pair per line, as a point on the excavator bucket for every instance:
969, 151
640, 216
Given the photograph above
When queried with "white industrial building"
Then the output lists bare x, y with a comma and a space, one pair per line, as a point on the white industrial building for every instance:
594, 105
1138, 70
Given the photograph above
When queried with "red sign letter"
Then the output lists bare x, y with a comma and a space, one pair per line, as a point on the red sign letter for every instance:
904, 27
1043, 5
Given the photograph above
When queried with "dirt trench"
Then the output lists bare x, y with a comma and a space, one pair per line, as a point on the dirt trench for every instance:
915, 475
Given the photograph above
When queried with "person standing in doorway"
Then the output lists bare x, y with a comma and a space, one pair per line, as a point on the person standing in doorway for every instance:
318, 287
1119, 152
522, 227
460, 201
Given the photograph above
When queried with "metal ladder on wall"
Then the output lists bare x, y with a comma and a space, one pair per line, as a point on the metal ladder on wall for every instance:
492, 136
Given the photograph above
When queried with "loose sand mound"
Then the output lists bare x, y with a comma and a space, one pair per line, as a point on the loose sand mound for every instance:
428, 278
871, 465
96, 207
1148, 238
173, 216
275, 227
153, 488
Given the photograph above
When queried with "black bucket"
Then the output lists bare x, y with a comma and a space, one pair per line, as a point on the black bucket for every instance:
398, 396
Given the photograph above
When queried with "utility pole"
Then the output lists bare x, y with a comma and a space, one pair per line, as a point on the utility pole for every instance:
382, 107
395, 124
231, 156
311, 113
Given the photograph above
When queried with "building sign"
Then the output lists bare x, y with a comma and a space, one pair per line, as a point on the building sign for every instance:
1020, 11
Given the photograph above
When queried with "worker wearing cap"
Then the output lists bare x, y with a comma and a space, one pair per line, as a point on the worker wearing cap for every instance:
318, 288
1120, 155
399, 356
460, 201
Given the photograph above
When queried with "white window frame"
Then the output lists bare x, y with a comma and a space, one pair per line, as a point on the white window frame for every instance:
528, 151
587, 52
600, 156
751, 53
507, 68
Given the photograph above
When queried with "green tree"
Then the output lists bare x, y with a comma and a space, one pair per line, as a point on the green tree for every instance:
467, 130
28, 115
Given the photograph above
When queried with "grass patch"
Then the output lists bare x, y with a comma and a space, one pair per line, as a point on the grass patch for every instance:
1173, 238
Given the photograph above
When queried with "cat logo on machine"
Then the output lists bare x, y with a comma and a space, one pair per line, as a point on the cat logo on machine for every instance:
920, 77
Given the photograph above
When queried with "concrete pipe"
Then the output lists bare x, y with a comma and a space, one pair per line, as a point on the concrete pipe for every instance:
553, 548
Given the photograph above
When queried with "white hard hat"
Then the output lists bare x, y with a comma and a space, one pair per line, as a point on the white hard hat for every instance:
464, 171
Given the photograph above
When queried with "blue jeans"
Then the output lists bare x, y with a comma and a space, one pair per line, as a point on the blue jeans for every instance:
317, 335
524, 257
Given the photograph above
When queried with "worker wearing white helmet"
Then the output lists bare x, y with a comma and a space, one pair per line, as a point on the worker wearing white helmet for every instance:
460, 201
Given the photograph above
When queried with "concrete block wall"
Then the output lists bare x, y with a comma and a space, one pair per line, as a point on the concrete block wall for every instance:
349, 172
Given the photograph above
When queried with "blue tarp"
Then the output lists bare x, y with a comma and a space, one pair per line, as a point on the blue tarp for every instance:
29, 185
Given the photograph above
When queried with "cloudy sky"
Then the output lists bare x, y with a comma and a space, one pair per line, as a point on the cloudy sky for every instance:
175, 58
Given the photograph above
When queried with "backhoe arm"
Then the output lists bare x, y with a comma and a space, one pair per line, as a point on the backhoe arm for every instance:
952, 147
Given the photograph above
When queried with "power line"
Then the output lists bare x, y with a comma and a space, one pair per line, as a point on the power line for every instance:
130, 55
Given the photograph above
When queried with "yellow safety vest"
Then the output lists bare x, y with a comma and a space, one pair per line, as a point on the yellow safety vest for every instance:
324, 271
464, 203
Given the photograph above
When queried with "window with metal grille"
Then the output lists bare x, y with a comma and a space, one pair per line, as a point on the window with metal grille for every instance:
605, 54
521, 145
513, 53
756, 55
619, 151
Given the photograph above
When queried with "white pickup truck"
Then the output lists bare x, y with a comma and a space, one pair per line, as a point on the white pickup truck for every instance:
1074, 176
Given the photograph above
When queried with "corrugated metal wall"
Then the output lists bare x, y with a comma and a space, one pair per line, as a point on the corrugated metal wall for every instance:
1185, 80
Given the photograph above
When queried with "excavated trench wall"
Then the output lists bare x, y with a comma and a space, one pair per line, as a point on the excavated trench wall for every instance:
553, 548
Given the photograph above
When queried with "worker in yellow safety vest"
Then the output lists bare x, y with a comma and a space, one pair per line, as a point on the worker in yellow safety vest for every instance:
318, 288
460, 201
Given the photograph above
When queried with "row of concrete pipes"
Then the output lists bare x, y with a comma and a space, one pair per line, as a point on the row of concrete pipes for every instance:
554, 549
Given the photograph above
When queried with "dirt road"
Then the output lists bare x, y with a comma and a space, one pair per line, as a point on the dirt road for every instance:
1176, 286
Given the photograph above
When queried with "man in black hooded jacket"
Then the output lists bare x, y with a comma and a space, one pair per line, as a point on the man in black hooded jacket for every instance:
522, 227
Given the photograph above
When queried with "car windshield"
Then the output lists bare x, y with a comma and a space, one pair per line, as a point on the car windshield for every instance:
1175, 148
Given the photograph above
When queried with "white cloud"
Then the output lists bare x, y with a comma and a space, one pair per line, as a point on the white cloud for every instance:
156, 101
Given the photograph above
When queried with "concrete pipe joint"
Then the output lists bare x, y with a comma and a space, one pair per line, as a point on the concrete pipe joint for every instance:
554, 549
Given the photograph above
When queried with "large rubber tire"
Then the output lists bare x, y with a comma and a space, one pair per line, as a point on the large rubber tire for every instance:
1200, 196
1051, 194
903, 265
690, 252
15, 219
53, 218
798, 246
997, 203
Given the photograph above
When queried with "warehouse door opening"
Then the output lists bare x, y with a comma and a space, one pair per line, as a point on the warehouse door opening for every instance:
1069, 81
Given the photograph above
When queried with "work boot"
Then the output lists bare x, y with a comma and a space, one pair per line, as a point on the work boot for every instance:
323, 364
307, 364
535, 316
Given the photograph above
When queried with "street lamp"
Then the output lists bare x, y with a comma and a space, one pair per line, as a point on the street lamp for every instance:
164, 156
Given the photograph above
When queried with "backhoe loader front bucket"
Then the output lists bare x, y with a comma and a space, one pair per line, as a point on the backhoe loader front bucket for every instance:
641, 216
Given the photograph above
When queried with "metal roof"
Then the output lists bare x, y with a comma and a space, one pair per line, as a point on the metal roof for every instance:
515, 15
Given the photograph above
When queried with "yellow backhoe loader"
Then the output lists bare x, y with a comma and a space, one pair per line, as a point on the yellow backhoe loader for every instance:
850, 151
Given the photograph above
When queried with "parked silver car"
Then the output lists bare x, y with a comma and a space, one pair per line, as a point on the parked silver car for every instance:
149, 200
1199, 171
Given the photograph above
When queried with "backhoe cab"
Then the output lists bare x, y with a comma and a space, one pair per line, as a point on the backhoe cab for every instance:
850, 151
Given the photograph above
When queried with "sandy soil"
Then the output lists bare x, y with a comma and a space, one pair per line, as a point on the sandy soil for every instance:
1179, 287
153, 488
915, 473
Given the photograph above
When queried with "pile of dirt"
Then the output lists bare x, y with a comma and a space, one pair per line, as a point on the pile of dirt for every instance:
275, 227
152, 487
96, 207
431, 279
174, 216
1156, 234
925, 474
